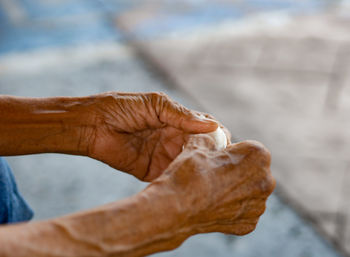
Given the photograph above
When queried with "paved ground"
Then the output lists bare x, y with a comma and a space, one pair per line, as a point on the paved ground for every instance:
274, 79
280, 80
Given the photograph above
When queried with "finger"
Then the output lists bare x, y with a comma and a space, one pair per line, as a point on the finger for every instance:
178, 116
247, 147
239, 228
201, 141
226, 131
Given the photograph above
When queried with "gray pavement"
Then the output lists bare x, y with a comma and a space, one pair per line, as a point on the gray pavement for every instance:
58, 184
283, 80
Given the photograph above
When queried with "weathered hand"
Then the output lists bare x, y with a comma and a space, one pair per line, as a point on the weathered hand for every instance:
220, 191
202, 189
142, 133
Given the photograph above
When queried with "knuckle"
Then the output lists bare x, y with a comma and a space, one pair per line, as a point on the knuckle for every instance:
109, 96
256, 208
158, 100
267, 185
271, 185
156, 96
260, 153
246, 228
160, 95
262, 208
256, 152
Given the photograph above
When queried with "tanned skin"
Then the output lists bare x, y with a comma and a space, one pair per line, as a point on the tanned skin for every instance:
198, 189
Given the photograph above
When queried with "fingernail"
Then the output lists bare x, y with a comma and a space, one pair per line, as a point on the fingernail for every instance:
205, 120
209, 121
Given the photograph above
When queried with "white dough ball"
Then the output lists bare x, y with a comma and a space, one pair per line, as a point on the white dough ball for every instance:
219, 137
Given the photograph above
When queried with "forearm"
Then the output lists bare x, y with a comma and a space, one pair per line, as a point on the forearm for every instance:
143, 224
41, 125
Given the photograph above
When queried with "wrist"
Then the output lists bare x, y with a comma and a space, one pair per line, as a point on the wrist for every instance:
80, 124
166, 218
70, 123
83, 122
43, 125
161, 196
146, 223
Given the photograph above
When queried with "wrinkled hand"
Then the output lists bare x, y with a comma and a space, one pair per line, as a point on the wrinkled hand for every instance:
142, 133
220, 191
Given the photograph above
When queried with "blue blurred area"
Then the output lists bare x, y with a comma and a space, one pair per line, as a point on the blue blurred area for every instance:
54, 23
198, 14
32, 24
195, 17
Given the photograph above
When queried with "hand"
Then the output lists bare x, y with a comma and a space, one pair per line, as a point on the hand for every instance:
142, 133
219, 191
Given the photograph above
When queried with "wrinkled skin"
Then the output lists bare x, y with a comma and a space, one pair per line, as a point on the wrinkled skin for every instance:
222, 191
142, 134
197, 189
203, 190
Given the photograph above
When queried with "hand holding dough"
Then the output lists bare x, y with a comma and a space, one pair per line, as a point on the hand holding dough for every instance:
219, 137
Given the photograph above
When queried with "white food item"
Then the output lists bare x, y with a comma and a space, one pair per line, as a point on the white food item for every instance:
219, 137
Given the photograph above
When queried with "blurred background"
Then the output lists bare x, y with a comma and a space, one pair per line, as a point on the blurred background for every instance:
276, 71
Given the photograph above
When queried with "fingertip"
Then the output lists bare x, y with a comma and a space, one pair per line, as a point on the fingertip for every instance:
187, 120
197, 126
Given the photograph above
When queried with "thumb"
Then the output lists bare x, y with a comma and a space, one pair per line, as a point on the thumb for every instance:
189, 121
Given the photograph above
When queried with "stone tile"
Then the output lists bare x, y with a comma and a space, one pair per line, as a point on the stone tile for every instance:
315, 184
306, 54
